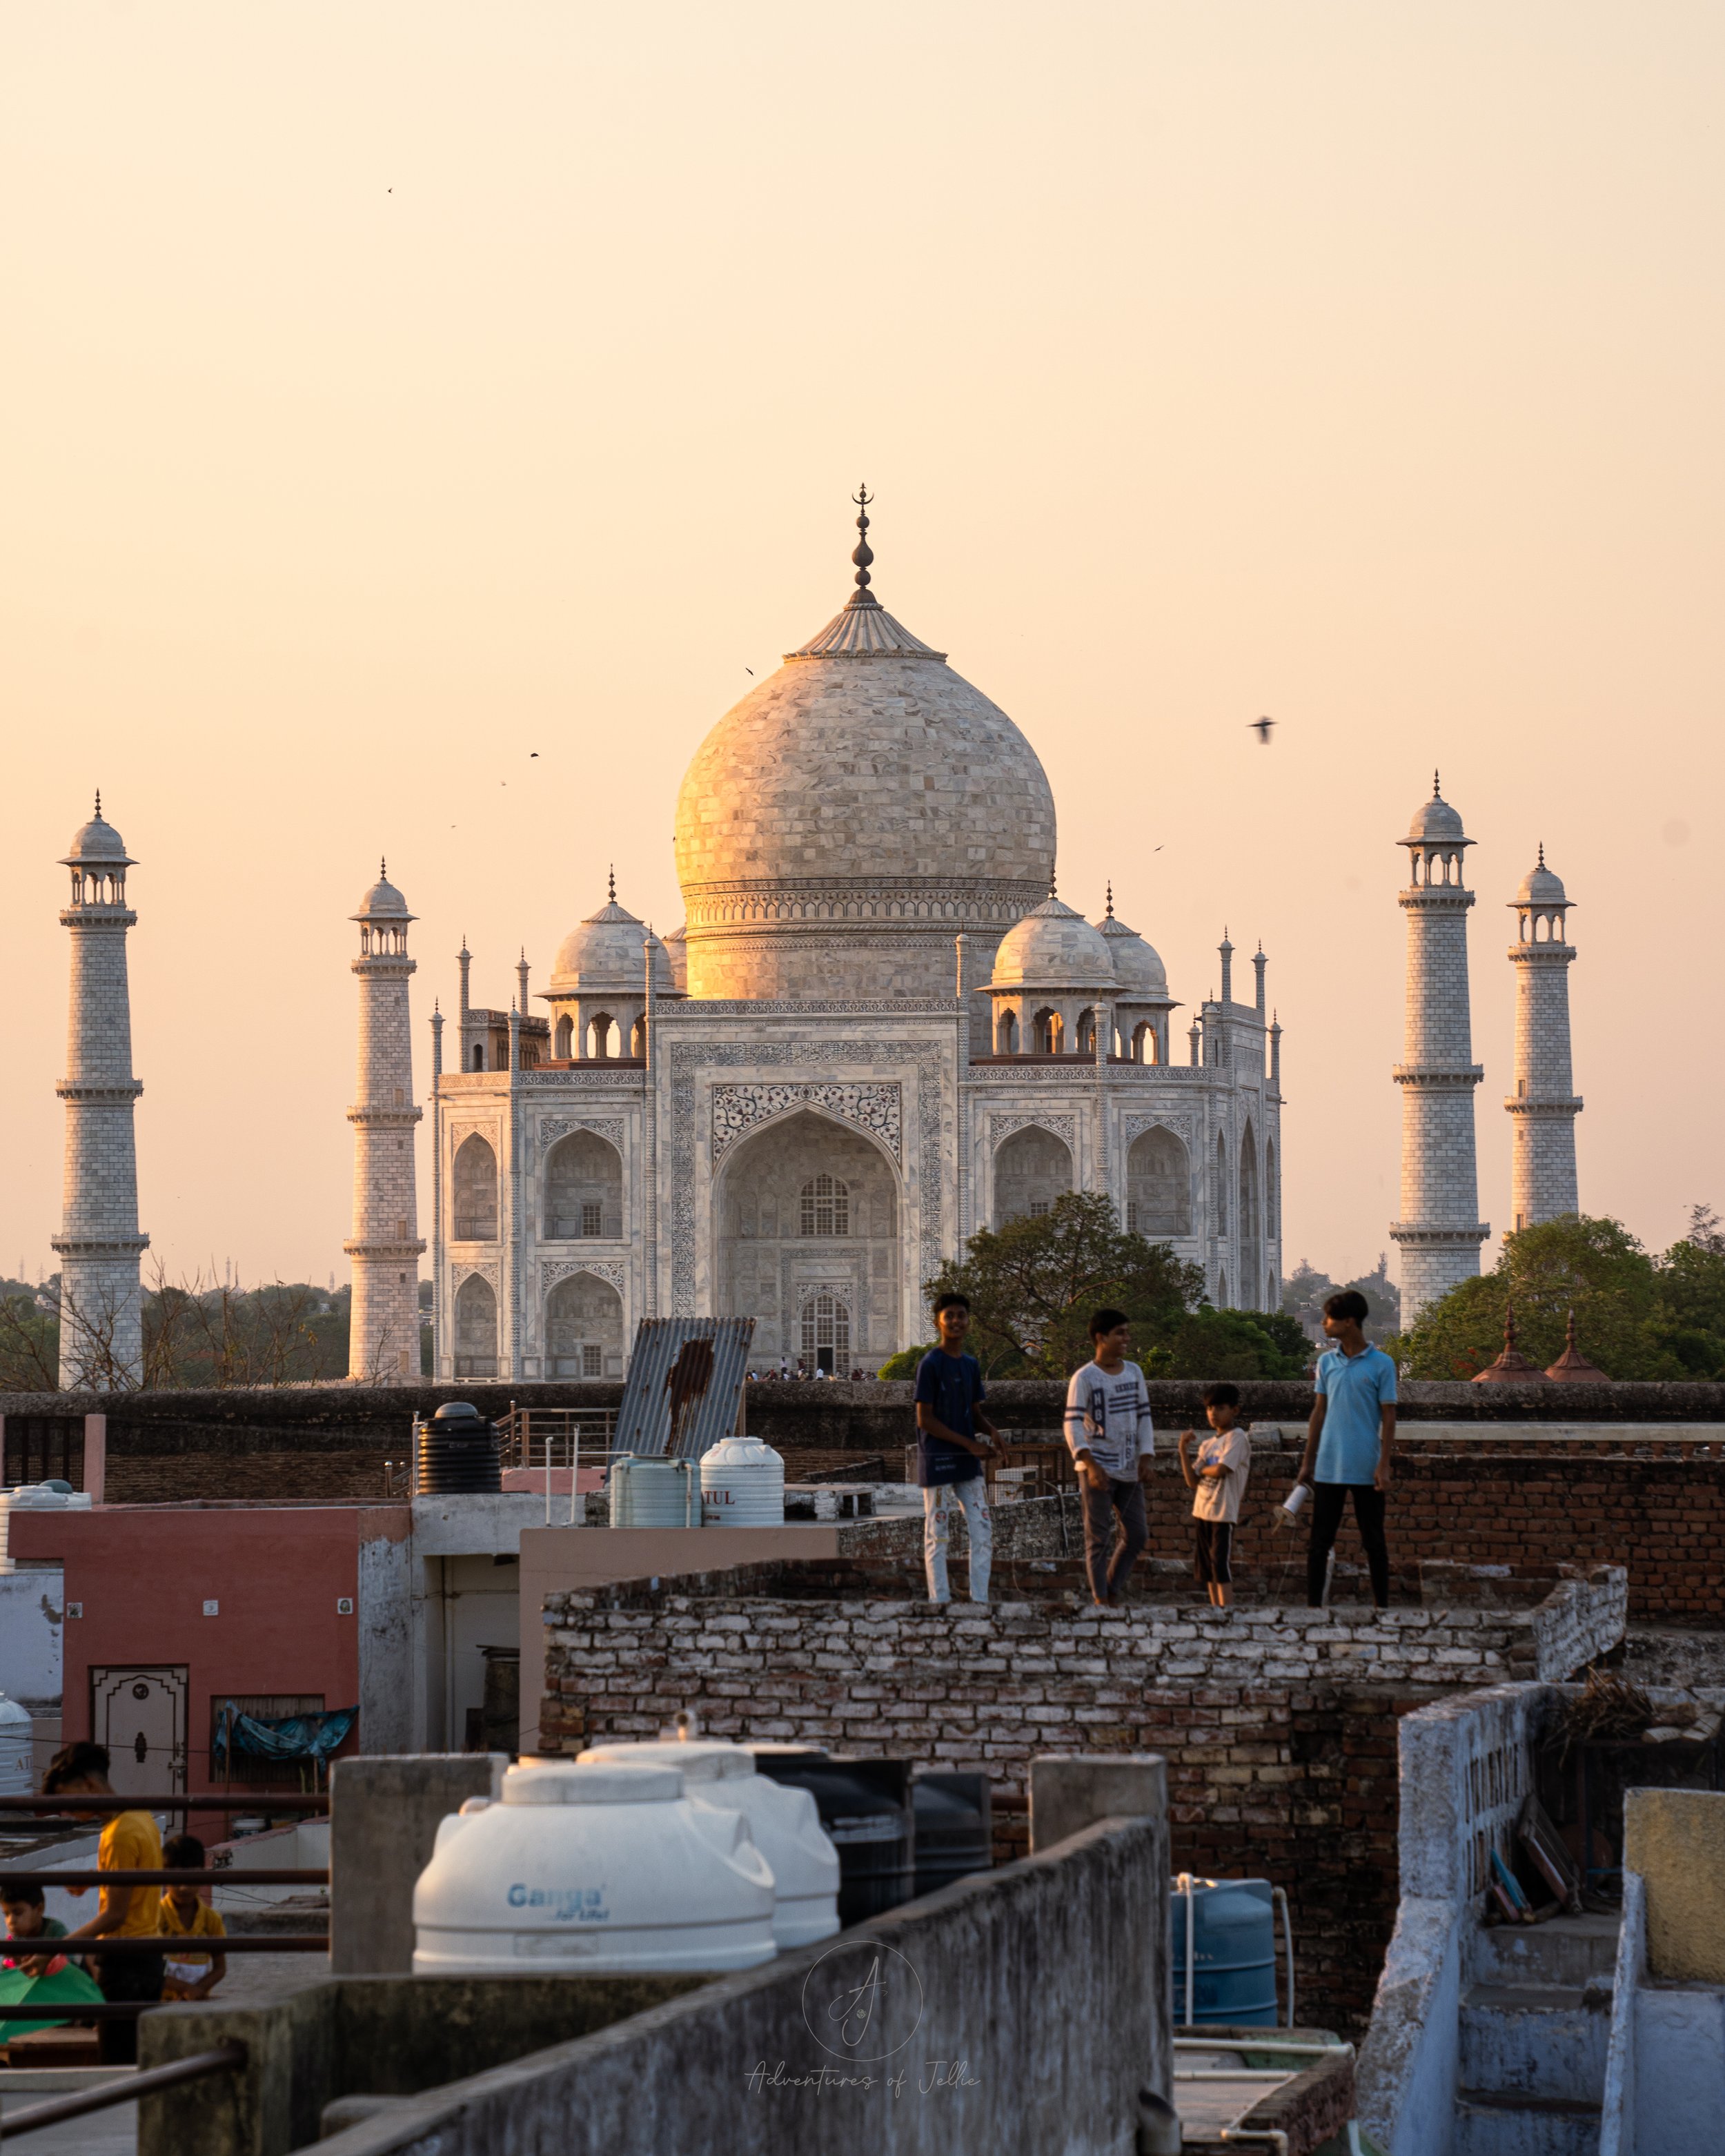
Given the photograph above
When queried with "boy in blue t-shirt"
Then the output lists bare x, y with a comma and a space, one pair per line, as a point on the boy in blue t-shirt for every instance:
1348, 1444
950, 1453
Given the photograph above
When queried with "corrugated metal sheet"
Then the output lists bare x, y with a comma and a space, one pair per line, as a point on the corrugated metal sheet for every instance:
685, 1375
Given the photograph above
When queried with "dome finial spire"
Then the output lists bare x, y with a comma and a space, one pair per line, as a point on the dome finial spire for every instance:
383, 868
1053, 891
1436, 794
863, 553
99, 801
1542, 853
611, 879
1110, 898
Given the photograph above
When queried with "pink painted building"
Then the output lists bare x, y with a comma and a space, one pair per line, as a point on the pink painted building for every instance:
171, 1610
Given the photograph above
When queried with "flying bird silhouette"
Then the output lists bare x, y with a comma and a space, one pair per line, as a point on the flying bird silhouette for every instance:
750, 671
1260, 727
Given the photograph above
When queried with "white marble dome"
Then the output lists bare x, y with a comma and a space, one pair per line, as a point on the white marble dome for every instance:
603, 956
849, 818
1541, 887
1138, 967
1053, 949
383, 901
1434, 820
96, 842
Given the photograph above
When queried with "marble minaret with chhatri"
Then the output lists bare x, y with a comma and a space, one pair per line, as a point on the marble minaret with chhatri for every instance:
1439, 1232
384, 1338
98, 1245
1544, 1106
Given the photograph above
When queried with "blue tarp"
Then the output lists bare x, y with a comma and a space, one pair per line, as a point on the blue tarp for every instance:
284, 1737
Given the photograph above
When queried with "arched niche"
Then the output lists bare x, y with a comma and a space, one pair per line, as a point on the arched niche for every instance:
808, 1203
583, 1328
475, 1191
583, 1189
1032, 1168
475, 1328
1158, 1185
1251, 1245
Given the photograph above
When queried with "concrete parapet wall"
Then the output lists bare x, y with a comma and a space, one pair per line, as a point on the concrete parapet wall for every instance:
1465, 1766
1025, 2009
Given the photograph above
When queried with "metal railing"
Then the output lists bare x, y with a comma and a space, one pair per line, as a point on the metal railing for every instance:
230, 2058
556, 1437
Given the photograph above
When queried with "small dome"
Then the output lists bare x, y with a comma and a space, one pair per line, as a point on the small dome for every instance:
1540, 887
98, 843
383, 901
1053, 948
603, 957
1137, 967
1434, 819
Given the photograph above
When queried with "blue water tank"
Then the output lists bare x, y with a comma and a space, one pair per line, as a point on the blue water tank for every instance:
1233, 1970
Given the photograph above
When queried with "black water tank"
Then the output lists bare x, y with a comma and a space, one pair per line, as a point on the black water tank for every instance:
457, 1453
955, 1827
865, 1806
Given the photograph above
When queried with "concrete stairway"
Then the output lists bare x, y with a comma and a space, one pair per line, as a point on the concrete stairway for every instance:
1534, 2027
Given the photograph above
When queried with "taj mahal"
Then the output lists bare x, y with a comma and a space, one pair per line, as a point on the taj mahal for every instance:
879, 1030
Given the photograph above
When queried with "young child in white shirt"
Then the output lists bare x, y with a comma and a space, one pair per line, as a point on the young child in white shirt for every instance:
1217, 1474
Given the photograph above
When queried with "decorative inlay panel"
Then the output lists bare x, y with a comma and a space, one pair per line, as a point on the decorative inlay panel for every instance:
462, 1268
553, 1128
553, 1269
737, 1109
1061, 1127
1134, 1126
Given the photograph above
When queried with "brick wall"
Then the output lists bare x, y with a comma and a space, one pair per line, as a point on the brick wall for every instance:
1279, 1728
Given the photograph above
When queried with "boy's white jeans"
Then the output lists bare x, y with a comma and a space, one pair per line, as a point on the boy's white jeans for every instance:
979, 1524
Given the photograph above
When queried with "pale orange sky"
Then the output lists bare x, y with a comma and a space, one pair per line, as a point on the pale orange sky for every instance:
391, 391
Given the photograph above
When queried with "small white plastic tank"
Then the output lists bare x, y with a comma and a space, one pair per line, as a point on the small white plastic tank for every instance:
785, 1823
742, 1485
610, 1872
653, 1493
16, 1779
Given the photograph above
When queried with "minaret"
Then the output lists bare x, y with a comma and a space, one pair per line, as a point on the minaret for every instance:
1543, 1108
383, 1335
98, 1245
1439, 1233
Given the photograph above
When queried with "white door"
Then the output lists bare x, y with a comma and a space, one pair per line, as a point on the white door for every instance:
141, 1716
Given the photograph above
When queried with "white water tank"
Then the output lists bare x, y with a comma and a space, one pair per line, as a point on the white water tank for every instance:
653, 1493
35, 1497
785, 1823
742, 1485
609, 1872
16, 1779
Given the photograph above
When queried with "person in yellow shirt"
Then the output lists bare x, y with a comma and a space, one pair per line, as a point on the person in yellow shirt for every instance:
129, 1843
186, 1915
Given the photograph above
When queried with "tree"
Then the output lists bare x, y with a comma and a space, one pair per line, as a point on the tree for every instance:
1691, 1320
1592, 1266
1239, 1343
1032, 1284
1306, 1291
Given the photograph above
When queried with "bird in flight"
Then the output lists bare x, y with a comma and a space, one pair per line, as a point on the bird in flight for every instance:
1260, 727
750, 671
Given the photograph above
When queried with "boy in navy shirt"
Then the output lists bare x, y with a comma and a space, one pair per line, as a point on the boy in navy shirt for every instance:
950, 1453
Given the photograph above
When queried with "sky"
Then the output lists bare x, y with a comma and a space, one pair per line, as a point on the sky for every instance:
392, 391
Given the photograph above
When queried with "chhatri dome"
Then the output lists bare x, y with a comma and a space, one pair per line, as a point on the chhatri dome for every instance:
850, 816
603, 953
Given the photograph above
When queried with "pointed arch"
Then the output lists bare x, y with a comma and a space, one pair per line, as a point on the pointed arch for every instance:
475, 1191
476, 1327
